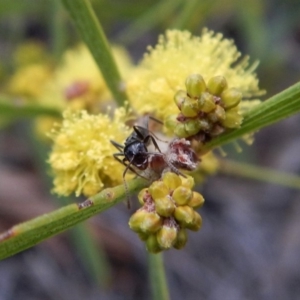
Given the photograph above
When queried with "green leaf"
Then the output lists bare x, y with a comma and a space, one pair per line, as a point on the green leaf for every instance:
28, 234
9, 109
91, 31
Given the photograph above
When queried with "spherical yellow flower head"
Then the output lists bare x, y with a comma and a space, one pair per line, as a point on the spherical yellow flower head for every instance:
31, 52
167, 212
33, 71
78, 84
29, 81
163, 71
82, 156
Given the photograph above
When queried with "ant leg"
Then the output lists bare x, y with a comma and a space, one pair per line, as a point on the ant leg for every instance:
156, 120
141, 131
154, 142
126, 188
116, 156
117, 145
128, 166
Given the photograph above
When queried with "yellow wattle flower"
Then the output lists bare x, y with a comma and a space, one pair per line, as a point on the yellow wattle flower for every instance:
29, 81
82, 156
163, 70
77, 82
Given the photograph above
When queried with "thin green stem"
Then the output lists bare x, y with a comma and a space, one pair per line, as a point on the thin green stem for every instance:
259, 173
93, 35
58, 29
15, 110
30, 233
278, 107
158, 277
93, 257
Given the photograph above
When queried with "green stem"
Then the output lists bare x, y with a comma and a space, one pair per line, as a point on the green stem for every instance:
30, 233
278, 107
92, 33
13, 110
158, 277
93, 257
58, 29
259, 173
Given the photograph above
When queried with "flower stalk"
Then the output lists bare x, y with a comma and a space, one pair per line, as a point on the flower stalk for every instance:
158, 277
28, 234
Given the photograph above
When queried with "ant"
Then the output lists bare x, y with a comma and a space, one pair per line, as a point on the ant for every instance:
136, 155
134, 151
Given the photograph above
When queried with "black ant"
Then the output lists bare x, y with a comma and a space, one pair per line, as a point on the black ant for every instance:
134, 151
136, 155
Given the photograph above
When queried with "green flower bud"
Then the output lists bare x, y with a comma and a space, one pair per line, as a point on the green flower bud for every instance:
188, 182
164, 206
171, 180
158, 189
141, 195
180, 131
151, 223
171, 123
152, 244
166, 236
184, 215
195, 85
189, 108
231, 98
181, 240
217, 115
196, 224
233, 118
179, 98
182, 195
216, 85
205, 125
192, 126
136, 219
206, 102
196, 201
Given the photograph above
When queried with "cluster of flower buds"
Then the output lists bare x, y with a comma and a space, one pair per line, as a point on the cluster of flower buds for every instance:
168, 210
205, 108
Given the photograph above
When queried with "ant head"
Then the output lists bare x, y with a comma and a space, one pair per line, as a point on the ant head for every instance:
136, 153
